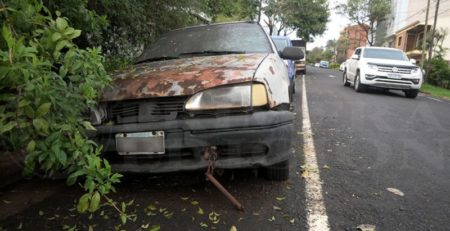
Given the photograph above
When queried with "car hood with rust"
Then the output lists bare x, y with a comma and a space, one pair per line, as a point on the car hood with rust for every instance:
180, 77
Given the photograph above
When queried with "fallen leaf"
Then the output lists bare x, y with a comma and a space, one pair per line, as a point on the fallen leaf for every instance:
194, 202
366, 227
396, 191
276, 208
184, 198
155, 228
233, 228
203, 225
41, 213
255, 214
280, 198
326, 167
183, 210
20, 226
151, 207
6, 202
292, 221
168, 214
271, 219
329, 150
305, 174
200, 211
145, 226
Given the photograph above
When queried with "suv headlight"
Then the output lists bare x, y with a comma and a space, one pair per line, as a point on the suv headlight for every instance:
373, 67
229, 97
415, 70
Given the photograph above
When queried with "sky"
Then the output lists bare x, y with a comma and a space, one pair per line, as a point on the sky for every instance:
336, 23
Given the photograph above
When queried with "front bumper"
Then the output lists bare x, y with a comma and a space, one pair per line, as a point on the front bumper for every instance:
252, 140
382, 80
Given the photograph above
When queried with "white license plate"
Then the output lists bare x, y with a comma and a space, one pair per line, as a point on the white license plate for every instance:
141, 143
394, 76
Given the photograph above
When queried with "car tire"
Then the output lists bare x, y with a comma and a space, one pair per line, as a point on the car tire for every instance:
293, 87
358, 86
277, 172
411, 93
344, 78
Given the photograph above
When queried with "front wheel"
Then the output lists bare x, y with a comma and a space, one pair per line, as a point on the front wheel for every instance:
344, 77
358, 86
411, 93
278, 172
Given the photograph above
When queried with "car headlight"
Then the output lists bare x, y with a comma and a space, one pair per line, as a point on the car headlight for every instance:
415, 70
237, 96
371, 66
98, 114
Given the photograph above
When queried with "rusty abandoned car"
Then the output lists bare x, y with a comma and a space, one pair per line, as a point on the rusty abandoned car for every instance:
221, 86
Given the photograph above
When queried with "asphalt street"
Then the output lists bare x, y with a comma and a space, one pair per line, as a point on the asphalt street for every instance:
365, 144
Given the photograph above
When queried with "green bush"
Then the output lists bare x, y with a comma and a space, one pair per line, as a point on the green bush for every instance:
334, 65
439, 73
46, 84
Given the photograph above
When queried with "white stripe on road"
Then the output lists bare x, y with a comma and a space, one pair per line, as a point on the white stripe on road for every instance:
315, 207
331, 76
434, 99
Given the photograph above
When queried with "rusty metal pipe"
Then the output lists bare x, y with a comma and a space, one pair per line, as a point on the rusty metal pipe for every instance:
225, 192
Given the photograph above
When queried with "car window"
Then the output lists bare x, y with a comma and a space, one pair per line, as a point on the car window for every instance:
384, 54
280, 43
358, 51
245, 37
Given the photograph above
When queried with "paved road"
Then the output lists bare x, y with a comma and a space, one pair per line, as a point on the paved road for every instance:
364, 144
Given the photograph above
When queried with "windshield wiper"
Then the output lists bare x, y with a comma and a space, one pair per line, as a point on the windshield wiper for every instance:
212, 52
157, 59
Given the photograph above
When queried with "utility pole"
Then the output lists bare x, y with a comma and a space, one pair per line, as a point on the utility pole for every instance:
430, 51
424, 42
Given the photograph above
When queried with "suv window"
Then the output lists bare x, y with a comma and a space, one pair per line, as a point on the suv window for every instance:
358, 51
233, 37
384, 54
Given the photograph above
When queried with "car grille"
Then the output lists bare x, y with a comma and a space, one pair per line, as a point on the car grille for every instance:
392, 69
148, 110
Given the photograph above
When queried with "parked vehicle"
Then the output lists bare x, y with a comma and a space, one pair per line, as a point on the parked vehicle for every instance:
219, 87
300, 64
282, 42
381, 67
324, 64
317, 65
342, 66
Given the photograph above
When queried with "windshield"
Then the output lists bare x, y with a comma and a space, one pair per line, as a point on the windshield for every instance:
384, 54
242, 38
280, 43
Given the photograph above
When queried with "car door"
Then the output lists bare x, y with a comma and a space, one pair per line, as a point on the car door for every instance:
352, 65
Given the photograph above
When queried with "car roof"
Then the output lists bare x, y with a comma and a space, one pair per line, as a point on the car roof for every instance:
382, 48
280, 37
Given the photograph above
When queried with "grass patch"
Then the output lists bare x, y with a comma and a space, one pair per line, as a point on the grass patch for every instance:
435, 91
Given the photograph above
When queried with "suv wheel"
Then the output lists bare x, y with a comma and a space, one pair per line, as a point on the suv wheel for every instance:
278, 172
358, 86
344, 77
411, 93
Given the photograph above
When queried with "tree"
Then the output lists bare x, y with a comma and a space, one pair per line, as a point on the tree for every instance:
307, 17
366, 13
315, 55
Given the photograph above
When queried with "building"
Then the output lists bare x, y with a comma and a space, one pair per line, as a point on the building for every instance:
350, 38
406, 25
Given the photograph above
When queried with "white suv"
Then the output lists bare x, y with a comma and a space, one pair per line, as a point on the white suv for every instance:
382, 67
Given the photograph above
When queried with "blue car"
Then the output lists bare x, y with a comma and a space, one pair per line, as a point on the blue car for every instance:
282, 42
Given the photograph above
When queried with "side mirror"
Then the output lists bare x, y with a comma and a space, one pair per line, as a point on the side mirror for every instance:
292, 53
413, 61
355, 57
